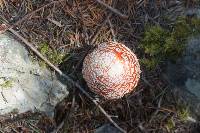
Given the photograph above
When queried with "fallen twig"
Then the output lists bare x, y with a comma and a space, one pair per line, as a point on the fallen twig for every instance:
55, 22
112, 9
112, 30
66, 77
142, 128
58, 127
146, 81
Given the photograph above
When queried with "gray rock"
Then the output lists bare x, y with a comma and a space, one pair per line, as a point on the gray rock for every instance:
193, 86
185, 75
24, 85
193, 11
107, 128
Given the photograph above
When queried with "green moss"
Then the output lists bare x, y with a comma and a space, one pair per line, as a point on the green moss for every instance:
170, 124
15, 111
153, 45
195, 24
160, 44
6, 84
52, 55
42, 64
183, 113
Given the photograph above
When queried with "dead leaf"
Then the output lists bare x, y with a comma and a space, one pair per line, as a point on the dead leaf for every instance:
3, 27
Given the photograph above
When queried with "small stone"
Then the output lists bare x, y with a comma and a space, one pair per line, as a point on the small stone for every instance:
107, 128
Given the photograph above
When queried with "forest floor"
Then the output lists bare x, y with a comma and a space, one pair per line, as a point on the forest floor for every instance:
71, 28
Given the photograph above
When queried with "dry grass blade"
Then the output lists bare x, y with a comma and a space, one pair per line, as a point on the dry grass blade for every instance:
112, 9
2, 2
55, 22
97, 31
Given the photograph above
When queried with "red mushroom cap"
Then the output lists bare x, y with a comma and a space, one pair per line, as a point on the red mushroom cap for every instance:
111, 70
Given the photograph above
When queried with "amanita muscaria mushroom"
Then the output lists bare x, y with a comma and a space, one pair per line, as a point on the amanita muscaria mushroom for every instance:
111, 70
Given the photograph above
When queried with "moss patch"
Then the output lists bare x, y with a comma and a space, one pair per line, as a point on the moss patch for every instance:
183, 113
161, 44
6, 84
170, 125
53, 56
